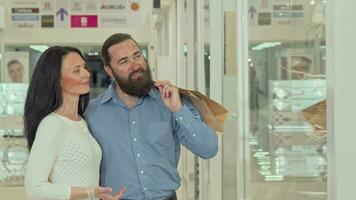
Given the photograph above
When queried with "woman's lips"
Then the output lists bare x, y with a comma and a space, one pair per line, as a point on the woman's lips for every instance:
85, 83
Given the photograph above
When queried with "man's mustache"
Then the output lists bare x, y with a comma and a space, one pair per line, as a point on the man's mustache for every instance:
136, 71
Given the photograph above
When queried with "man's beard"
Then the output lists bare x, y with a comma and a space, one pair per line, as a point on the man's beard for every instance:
137, 87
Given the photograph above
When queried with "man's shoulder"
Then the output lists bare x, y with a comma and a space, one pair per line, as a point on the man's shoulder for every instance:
93, 105
154, 92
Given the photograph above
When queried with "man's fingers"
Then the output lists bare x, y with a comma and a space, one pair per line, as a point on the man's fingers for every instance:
162, 83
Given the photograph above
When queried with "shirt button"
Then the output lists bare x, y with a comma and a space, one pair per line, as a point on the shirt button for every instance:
133, 122
141, 171
194, 135
135, 139
145, 188
138, 155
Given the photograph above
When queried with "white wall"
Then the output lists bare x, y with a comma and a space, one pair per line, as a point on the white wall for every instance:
341, 73
68, 36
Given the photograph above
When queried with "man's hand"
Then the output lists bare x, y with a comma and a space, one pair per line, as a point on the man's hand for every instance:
169, 95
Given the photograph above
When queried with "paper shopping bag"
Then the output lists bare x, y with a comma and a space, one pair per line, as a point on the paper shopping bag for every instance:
213, 114
316, 115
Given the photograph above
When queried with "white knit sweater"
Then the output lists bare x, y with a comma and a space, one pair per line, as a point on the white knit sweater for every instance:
64, 154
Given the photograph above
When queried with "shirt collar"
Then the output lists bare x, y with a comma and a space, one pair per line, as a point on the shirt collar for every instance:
110, 93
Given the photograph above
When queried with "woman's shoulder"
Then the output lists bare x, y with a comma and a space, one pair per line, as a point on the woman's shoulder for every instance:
50, 129
51, 122
50, 119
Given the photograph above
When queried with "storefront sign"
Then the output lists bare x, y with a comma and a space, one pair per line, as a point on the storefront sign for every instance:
77, 13
25, 21
113, 21
116, 6
24, 10
76, 6
47, 7
91, 6
47, 21
264, 18
84, 21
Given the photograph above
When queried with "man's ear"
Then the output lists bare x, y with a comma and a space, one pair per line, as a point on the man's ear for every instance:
108, 70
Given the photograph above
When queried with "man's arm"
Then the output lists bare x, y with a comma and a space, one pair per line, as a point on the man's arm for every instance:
192, 132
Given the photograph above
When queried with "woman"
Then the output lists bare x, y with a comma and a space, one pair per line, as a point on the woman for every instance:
64, 158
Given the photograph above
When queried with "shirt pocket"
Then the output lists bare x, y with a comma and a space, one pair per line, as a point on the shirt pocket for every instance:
160, 135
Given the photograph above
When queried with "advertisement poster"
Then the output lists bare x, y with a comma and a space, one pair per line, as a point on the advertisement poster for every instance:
16, 67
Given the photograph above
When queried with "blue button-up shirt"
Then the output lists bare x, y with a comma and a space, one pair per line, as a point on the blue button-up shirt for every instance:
141, 145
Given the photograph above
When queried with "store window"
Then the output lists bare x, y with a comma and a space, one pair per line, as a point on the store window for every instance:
287, 92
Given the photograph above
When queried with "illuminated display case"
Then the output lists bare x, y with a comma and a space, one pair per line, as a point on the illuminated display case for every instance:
293, 150
13, 147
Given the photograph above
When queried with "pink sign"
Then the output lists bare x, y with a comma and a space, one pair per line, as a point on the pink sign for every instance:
84, 21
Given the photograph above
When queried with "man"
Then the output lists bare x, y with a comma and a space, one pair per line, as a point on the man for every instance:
140, 127
16, 71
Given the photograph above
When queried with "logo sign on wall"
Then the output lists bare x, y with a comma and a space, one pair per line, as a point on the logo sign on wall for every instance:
25, 21
25, 15
76, 6
113, 6
84, 21
285, 14
113, 21
76, 13
91, 6
47, 21
46, 6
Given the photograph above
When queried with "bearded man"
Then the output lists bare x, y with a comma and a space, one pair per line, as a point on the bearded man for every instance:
140, 125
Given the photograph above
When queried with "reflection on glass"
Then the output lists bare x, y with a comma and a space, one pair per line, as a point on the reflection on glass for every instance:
13, 98
14, 157
287, 76
13, 148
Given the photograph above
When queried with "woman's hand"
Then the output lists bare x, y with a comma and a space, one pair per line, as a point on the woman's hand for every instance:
104, 193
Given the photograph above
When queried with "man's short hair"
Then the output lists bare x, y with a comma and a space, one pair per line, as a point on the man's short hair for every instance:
112, 40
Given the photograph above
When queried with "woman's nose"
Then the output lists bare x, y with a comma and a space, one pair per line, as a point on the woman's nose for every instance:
86, 73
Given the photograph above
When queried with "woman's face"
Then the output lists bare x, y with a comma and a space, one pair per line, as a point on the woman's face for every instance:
74, 75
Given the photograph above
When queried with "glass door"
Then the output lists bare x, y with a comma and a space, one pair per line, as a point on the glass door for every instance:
284, 73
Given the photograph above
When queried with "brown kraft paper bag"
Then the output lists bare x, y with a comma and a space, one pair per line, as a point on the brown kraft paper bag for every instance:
213, 114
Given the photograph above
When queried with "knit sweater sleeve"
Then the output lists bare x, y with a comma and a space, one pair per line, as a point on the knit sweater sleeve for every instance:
41, 161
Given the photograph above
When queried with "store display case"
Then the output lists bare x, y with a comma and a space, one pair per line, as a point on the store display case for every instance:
291, 136
13, 147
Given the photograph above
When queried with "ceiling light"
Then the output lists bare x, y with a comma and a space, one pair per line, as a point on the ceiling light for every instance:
40, 48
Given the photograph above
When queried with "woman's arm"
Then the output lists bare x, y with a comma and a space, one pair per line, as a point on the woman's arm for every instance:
40, 163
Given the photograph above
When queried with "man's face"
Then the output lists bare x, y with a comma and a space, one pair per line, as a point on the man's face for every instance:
129, 69
16, 72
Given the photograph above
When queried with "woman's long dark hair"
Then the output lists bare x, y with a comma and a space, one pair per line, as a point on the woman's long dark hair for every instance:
44, 94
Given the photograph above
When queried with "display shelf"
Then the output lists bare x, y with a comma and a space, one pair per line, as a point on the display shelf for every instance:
291, 153
13, 146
